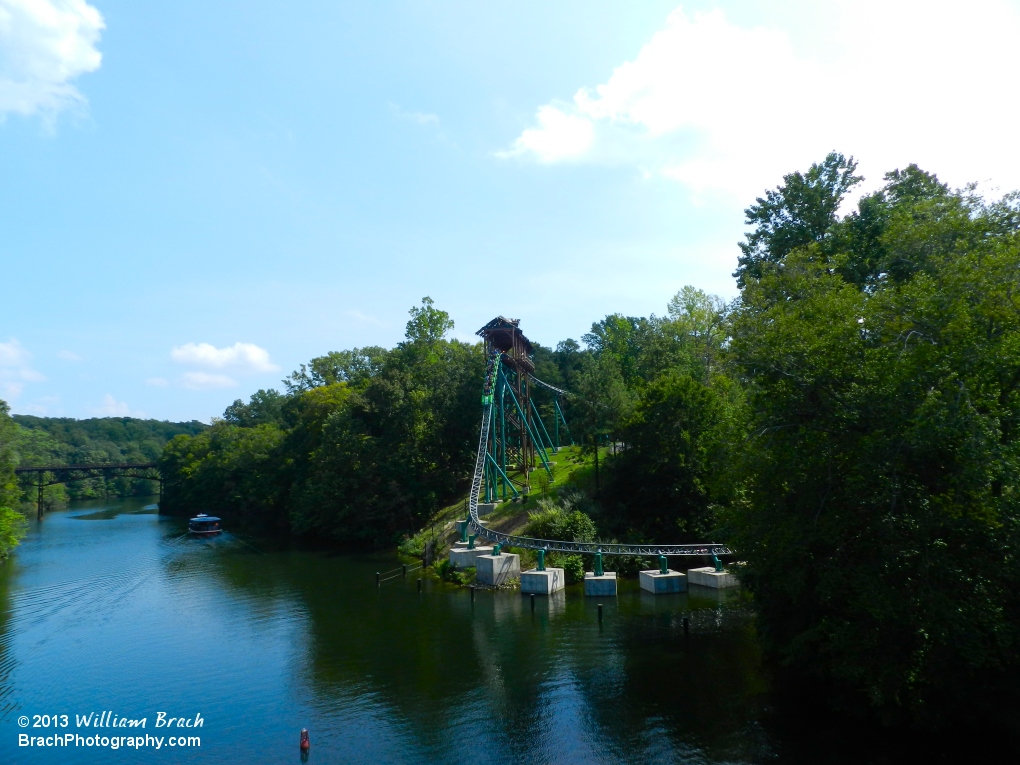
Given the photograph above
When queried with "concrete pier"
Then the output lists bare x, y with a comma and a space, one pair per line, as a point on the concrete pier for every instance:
709, 577
495, 570
484, 508
658, 583
543, 582
604, 585
464, 557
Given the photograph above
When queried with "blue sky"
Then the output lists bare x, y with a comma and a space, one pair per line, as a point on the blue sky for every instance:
196, 197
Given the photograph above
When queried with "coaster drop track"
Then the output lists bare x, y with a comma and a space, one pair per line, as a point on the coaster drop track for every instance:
514, 440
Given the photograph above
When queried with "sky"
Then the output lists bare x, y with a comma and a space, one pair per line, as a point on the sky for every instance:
197, 197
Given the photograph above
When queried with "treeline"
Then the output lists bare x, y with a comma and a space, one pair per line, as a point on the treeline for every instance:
849, 424
12, 523
363, 445
39, 441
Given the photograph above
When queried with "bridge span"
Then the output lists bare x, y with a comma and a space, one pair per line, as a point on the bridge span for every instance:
50, 475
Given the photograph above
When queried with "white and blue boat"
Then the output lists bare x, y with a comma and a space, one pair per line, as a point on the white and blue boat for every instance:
204, 525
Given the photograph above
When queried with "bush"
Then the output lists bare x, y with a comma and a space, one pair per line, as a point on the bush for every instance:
573, 568
561, 521
448, 573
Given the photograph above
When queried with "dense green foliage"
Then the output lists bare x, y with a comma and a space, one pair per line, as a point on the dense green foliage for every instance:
65, 441
879, 514
12, 523
364, 446
850, 425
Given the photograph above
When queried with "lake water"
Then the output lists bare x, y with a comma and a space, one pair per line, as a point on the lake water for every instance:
109, 607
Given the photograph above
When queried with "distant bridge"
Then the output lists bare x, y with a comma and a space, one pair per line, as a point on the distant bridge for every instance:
50, 475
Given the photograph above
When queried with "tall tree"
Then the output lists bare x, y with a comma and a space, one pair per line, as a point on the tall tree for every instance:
600, 403
800, 212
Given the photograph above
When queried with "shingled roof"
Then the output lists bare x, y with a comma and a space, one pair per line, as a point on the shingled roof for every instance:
500, 332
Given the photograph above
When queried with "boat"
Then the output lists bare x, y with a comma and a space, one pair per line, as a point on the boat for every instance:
204, 525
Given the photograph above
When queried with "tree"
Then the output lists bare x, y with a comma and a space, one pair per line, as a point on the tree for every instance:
878, 517
264, 407
800, 212
427, 324
354, 367
669, 482
600, 403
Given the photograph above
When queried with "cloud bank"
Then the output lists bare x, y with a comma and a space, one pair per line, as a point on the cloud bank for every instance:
716, 104
44, 45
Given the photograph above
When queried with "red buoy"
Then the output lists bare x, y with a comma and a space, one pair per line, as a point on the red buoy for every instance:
306, 744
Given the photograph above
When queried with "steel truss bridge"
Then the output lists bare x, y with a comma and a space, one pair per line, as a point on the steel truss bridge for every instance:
50, 475
513, 438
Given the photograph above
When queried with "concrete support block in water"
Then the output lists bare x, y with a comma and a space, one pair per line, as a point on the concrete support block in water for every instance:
464, 557
658, 583
543, 582
709, 577
495, 570
604, 585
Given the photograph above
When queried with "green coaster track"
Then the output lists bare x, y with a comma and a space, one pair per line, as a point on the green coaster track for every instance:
512, 433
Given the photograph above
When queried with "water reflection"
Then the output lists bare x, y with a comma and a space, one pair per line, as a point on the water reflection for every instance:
492, 681
127, 612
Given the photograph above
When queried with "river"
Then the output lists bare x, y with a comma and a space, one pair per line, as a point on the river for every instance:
107, 606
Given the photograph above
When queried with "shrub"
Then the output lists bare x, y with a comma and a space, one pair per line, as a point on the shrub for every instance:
573, 568
561, 521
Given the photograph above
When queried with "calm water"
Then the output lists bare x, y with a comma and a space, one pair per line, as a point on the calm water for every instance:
106, 606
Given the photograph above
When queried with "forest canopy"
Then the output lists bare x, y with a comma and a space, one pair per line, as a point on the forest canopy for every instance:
848, 424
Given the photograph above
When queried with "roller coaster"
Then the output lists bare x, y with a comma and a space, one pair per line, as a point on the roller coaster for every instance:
513, 437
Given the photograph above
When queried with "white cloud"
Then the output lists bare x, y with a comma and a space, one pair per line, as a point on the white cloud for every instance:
68, 356
207, 381
44, 45
559, 136
111, 407
157, 382
15, 370
714, 103
241, 357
